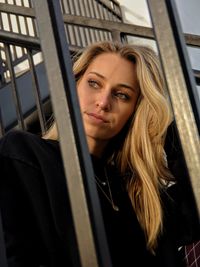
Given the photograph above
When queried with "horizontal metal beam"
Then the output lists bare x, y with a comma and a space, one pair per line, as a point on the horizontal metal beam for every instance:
19, 39
192, 39
125, 28
17, 10
109, 25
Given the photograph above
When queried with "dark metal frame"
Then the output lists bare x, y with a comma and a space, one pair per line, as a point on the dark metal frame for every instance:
91, 238
77, 164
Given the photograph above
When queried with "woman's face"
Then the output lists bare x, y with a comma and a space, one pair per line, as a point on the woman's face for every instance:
108, 92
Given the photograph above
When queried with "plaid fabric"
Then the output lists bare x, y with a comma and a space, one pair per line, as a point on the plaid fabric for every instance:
192, 255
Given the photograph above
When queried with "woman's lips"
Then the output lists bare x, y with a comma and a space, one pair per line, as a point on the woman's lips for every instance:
97, 116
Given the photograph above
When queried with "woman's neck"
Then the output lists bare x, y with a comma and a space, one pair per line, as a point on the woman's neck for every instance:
96, 147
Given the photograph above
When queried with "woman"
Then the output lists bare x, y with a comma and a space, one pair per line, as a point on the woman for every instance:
126, 114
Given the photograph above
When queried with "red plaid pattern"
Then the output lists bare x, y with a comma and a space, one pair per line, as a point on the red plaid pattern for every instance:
192, 254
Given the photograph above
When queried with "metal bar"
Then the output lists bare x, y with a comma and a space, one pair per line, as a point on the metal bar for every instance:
78, 8
18, 25
116, 35
106, 12
2, 69
86, 11
176, 76
197, 76
2, 130
191, 39
17, 10
109, 25
107, 4
140, 31
93, 250
29, 3
22, 40
69, 7
19, 113
91, 8
1, 22
96, 9
27, 27
36, 90
100, 10
185, 61
73, 7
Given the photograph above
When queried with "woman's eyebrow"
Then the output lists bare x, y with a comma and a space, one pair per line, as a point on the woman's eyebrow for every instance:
124, 85
120, 84
98, 74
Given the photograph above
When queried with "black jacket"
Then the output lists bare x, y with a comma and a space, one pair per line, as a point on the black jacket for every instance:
37, 220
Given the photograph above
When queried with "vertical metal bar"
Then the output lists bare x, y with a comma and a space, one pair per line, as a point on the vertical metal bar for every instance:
82, 36
77, 35
91, 9
2, 131
34, 26
175, 74
96, 34
11, 29
2, 78
29, 3
100, 8
19, 113
36, 91
67, 34
106, 13
76, 160
83, 8
62, 7
185, 62
88, 35
110, 15
74, 34
69, 7
1, 22
26, 26
22, 3
3, 258
71, 3
91, 34
17, 19
77, 8
13, 52
96, 9
116, 35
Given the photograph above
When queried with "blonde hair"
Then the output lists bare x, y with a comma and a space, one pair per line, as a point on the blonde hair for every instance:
141, 153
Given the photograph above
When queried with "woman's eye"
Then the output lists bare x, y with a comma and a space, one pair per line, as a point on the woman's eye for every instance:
93, 83
122, 96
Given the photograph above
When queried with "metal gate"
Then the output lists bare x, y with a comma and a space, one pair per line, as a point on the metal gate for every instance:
59, 28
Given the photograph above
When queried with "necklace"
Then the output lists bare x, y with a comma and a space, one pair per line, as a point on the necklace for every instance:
102, 184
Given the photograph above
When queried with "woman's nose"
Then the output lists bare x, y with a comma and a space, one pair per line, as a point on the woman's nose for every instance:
104, 101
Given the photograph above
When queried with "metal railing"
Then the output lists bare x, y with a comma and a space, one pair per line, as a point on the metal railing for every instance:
85, 22
82, 28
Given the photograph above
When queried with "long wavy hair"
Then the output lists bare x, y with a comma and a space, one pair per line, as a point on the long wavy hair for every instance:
141, 153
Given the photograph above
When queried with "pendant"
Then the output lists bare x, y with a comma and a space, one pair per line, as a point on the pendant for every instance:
116, 208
